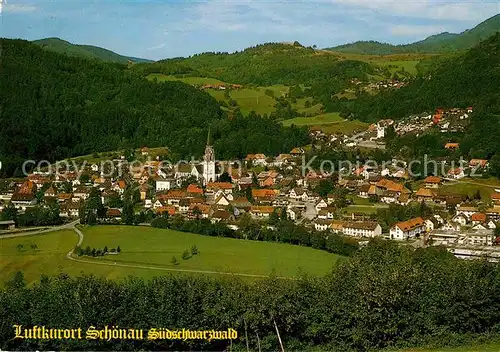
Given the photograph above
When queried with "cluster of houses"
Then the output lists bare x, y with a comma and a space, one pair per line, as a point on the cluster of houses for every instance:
222, 86
264, 186
448, 120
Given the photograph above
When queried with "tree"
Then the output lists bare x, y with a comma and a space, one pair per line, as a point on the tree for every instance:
185, 255
118, 249
105, 250
174, 261
274, 218
197, 212
224, 177
128, 213
194, 250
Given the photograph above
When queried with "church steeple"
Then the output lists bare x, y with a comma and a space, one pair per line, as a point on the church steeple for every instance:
209, 161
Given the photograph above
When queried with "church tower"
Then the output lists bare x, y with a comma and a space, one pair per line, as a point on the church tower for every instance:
209, 162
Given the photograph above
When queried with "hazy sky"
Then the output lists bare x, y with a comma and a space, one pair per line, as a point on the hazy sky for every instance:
162, 29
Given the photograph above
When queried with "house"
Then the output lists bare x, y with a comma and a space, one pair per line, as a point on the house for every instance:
452, 146
297, 152
407, 229
119, 186
456, 173
81, 192
170, 210
293, 213
222, 215
199, 210
362, 229
495, 197
225, 187
174, 196
322, 224
24, 196
114, 214
364, 191
50, 192
424, 194
452, 227
431, 224
466, 210
263, 195
163, 184
432, 181
478, 218
257, 159
7, 225
478, 163
241, 203
337, 226
461, 219
321, 204
194, 190
184, 204
261, 211
221, 200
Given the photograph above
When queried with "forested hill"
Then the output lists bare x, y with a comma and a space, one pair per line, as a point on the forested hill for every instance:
55, 106
266, 64
440, 43
85, 51
470, 79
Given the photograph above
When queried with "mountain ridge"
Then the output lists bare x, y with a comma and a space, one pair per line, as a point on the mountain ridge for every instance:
87, 51
444, 42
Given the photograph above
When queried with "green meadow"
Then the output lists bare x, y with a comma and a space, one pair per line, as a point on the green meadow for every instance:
147, 252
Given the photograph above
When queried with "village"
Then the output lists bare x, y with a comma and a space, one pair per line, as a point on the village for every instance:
265, 188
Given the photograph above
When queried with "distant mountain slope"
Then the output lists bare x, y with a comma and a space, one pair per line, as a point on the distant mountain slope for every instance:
265, 64
468, 79
86, 51
439, 43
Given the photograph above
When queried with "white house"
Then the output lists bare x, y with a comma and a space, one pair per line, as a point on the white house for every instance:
163, 184
362, 229
407, 229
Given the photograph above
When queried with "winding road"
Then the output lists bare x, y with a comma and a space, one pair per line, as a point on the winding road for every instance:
70, 256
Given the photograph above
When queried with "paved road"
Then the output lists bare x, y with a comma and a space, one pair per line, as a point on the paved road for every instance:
38, 232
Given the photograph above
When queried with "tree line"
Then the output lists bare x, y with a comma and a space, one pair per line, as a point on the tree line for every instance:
386, 296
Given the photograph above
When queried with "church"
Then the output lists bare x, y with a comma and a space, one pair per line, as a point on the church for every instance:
209, 163
204, 171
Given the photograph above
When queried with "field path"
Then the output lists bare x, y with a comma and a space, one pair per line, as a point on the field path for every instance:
38, 232
149, 267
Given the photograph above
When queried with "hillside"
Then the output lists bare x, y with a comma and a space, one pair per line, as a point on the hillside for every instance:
85, 51
469, 79
55, 106
439, 43
265, 65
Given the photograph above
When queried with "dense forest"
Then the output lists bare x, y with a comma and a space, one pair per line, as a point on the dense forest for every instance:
55, 106
387, 295
439, 43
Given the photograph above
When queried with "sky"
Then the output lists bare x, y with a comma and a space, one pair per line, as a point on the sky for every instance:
171, 28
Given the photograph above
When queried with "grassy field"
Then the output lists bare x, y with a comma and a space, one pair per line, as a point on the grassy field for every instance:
346, 127
409, 66
188, 80
143, 246
324, 119
469, 189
